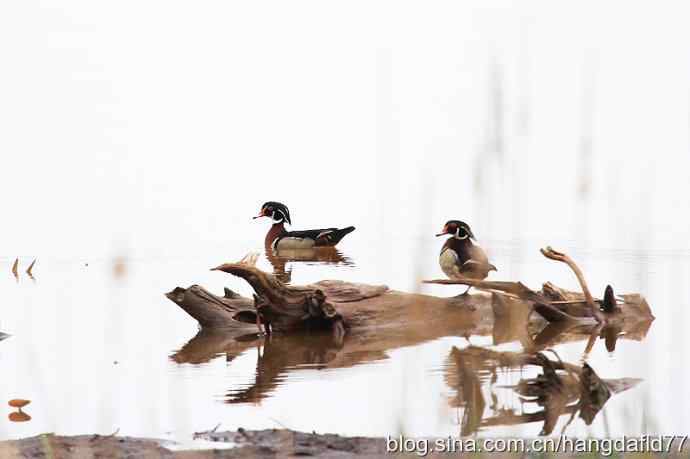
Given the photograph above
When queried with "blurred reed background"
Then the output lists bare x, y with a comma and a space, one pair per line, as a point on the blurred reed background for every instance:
151, 125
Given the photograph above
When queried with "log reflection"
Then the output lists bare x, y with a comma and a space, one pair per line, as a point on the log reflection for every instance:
283, 353
279, 356
557, 389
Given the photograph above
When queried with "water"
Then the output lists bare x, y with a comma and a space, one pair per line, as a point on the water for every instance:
94, 349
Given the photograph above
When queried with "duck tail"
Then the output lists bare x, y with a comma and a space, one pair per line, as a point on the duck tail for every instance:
341, 233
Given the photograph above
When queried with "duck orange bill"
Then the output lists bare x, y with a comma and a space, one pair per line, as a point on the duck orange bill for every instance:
261, 214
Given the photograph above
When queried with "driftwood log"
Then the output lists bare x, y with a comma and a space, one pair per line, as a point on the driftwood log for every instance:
335, 324
341, 306
559, 305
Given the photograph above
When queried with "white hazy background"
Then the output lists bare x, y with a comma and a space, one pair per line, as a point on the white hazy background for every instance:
154, 130
153, 125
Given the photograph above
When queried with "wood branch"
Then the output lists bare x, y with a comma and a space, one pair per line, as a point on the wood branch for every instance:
327, 303
516, 289
553, 303
552, 254
212, 311
284, 307
568, 307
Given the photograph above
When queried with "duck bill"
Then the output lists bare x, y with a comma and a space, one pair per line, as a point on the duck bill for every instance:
443, 232
261, 214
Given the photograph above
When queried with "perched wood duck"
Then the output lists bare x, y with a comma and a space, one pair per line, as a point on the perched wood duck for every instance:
278, 238
459, 256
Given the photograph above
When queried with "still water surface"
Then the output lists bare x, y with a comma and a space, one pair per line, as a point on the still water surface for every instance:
94, 347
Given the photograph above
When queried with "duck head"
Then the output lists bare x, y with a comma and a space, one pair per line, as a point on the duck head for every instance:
277, 211
457, 229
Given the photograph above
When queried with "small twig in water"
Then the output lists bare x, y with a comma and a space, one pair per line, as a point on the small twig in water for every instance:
279, 423
205, 432
31, 266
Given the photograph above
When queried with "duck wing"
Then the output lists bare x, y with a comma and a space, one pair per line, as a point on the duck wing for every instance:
318, 237
310, 234
479, 259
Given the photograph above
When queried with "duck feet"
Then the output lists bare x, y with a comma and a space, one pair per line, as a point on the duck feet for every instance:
465, 294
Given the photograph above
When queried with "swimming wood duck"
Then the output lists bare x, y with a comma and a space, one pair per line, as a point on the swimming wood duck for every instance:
460, 257
278, 238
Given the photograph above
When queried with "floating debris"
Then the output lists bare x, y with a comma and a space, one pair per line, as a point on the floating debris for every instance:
14, 268
119, 267
31, 266
19, 416
18, 403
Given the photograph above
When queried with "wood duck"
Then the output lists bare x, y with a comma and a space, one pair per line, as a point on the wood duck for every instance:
278, 238
460, 258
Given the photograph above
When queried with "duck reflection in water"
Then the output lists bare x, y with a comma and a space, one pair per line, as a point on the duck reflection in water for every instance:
279, 259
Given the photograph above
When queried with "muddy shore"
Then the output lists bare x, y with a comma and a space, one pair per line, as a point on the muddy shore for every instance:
249, 444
